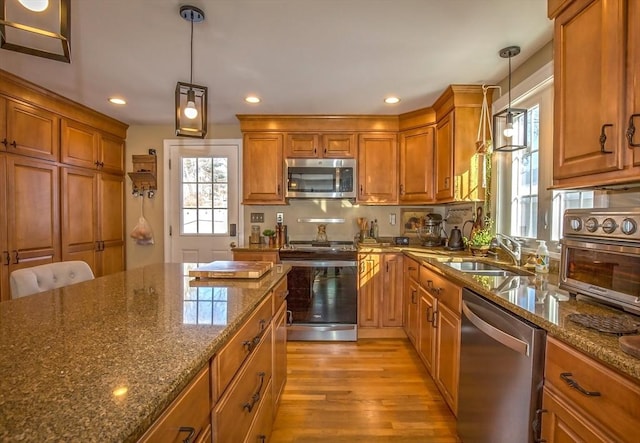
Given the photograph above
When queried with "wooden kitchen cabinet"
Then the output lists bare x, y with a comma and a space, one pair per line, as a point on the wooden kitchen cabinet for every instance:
416, 165
378, 168
262, 168
458, 168
380, 301
280, 294
84, 146
5, 258
426, 330
92, 214
584, 400
257, 255
411, 299
187, 418
595, 108
29, 130
32, 231
448, 327
320, 145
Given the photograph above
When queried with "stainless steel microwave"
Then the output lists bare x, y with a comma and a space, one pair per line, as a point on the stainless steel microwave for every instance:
320, 178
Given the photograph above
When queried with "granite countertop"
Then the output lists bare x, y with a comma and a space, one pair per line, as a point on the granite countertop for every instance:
539, 300
100, 360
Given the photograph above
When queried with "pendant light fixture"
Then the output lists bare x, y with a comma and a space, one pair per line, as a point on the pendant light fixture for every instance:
510, 124
191, 99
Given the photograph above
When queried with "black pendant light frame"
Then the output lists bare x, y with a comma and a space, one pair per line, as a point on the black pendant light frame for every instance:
185, 127
507, 116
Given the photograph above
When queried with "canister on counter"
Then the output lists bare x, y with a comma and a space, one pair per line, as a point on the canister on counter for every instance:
254, 239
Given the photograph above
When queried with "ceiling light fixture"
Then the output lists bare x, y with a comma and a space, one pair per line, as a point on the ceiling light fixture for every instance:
252, 99
35, 5
510, 122
33, 34
117, 101
191, 99
391, 100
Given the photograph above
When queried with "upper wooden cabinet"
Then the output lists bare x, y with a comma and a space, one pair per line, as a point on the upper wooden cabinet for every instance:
596, 109
83, 146
378, 168
29, 130
416, 165
262, 168
458, 167
315, 145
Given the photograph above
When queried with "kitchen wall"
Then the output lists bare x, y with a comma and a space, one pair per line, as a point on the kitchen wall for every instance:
139, 140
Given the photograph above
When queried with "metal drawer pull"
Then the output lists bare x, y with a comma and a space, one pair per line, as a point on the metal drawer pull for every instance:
631, 130
603, 139
255, 398
190, 430
248, 345
537, 426
574, 384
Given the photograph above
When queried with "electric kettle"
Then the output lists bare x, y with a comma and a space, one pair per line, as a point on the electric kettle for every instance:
455, 240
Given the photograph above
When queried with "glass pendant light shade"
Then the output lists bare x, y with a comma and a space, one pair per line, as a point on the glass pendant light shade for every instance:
191, 99
35, 5
510, 124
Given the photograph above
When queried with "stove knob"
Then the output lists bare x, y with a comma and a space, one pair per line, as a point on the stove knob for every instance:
628, 226
609, 225
575, 223
591, 224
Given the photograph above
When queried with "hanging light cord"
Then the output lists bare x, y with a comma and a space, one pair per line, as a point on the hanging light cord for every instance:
509, 75
191, 73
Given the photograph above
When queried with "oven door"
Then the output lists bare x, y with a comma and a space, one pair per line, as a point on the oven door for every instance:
603, 270
322, 300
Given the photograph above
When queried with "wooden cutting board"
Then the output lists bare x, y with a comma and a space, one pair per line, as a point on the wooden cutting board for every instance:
231, 269
630, 344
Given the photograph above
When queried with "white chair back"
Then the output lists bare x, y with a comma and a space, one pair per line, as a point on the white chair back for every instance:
41, 278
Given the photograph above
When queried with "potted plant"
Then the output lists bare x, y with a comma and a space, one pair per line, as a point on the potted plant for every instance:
480, 239
270, 234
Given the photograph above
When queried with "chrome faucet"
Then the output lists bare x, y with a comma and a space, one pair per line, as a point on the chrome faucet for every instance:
512, 249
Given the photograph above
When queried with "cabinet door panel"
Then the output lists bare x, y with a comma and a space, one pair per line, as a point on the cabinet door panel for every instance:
301, 145
4, 247
426, 333
392, 300
33, 208
111, 210
588, 34
416, 165
444, 158
448, 358
111, 154
79, 144
633, 80
79, 212
262, 168
369, 290
338, 145
377, 168
34, 131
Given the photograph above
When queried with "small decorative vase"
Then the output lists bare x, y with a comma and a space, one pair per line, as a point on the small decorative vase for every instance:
272, 241
479, 251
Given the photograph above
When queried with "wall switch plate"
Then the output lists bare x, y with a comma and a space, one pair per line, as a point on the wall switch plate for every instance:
392, 219
279, 217
257, 217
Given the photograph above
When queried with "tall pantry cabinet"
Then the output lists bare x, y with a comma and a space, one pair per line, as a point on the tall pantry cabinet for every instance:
52, 205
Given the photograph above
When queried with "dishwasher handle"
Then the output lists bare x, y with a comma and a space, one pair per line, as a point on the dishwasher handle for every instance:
510, 341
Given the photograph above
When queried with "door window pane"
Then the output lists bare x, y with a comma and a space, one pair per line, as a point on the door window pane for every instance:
205, 192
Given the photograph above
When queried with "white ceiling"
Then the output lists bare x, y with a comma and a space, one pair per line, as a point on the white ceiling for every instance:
299, 56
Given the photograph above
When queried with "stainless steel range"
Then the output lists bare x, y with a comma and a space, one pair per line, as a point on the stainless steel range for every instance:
601, 255
323, 294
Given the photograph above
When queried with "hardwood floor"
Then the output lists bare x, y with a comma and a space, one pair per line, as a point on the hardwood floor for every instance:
374, 391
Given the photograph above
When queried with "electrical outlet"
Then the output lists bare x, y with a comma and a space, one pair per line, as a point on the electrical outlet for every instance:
392, 219
279, 217
257, 217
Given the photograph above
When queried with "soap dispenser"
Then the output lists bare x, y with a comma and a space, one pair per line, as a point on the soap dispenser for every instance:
542, 258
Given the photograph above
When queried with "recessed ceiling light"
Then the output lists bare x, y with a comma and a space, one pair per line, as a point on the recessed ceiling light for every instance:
117, 101
252, 99
391, 100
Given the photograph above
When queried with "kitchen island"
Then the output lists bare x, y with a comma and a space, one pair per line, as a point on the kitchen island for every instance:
101, 360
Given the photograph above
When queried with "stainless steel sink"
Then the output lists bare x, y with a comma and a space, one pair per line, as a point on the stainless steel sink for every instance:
479, 268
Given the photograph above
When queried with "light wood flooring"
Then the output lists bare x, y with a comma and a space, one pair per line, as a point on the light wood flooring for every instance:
373, 390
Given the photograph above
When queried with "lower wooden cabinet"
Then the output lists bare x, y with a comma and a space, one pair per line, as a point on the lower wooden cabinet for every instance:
426, 331
380, 300
448, 327
187, 418
411, 299
585, 401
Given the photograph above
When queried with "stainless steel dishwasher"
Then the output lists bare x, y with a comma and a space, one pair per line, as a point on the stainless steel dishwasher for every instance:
501, 373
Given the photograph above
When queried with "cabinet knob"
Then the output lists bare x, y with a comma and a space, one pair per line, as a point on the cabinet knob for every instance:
631, 130
603, 138
14, 144
5, 142
7, 258
16, 258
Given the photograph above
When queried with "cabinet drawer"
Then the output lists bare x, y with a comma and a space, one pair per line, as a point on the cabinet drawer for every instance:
617, 408
228, 361
235, 412
446, 292
189, 410
263, 424
280, 294
412, 269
